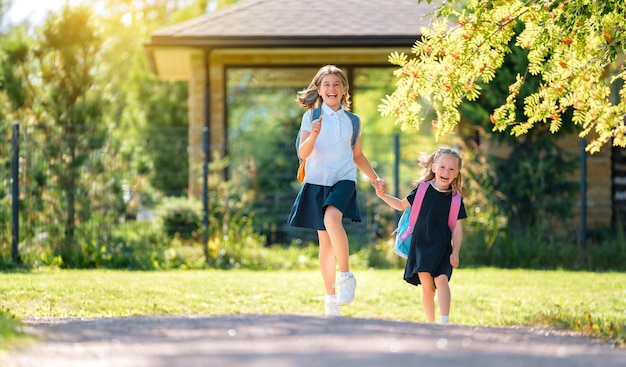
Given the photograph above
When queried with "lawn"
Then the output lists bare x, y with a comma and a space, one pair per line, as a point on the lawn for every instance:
594, 303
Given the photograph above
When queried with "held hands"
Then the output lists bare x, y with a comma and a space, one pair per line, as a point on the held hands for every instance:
379, 185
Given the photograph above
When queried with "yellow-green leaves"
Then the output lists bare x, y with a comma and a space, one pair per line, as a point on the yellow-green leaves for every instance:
573, 47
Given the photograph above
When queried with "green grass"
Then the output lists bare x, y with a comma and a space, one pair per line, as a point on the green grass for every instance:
10, 331
594, 303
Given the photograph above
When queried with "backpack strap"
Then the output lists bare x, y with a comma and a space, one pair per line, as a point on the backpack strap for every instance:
455, 207
453, 215
354, 118
415, 208
317, 112
356, 126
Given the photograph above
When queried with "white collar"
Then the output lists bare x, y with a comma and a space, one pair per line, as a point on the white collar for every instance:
432, 183
329, 111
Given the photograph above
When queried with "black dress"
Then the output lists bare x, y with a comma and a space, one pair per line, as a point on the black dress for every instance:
431, 242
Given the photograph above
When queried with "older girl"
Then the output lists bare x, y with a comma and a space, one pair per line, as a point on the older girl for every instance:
328, 193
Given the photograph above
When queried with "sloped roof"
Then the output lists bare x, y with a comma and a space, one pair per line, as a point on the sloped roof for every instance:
298, 22
268, 24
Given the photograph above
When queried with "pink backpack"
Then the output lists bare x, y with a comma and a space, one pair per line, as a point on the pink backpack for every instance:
406, 224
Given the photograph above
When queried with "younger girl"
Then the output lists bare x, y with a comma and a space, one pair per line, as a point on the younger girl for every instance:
434, 249
328, 193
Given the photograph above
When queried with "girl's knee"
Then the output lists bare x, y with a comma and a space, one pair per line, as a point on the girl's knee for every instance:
332, 212
332, 216
441, 281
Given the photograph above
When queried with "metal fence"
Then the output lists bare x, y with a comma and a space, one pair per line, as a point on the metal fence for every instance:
109, 174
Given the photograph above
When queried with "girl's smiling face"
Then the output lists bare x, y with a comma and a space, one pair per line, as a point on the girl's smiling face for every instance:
446, 169
331, 89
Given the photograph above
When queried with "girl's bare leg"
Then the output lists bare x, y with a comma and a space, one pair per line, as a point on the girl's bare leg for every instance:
338, 237
428, 295
327, 262
444, 295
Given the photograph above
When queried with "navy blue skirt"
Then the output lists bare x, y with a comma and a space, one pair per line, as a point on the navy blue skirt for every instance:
312, 201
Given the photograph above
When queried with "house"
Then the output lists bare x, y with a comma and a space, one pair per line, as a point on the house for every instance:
297, 34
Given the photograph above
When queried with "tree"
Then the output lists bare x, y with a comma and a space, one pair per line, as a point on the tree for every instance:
148, 109
73, 100
573, 47
529, 200
86, 102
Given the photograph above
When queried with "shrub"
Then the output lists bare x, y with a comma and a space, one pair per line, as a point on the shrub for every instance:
180, 216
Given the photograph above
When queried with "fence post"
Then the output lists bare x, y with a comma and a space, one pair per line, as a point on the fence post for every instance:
15, 193
396, 172
583, 195
205, 193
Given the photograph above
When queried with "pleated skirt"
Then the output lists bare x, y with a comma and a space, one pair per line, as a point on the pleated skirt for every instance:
312, 200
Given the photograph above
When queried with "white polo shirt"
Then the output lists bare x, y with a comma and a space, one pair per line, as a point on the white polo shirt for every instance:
331, 159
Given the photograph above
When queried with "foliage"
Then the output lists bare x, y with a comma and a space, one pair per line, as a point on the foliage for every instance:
13, 67
486, 224
233, 239
263, 124
537, 193
82, 166
534, 190
150, 109
126, 165
180, 216
148, 114
60, 85
166, 135
572, 47
494, 236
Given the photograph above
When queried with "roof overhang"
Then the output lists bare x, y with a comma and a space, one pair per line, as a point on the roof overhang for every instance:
169, 57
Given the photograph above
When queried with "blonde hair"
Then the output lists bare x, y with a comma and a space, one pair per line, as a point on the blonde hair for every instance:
308, 98
427, 161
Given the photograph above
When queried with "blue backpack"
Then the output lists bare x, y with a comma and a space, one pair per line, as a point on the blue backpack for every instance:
356, 126
406, 224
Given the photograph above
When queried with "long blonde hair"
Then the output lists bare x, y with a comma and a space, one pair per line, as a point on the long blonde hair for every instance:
427, 161
308, 98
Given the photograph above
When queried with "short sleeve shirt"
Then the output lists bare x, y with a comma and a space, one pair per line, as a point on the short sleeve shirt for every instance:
430, 245
432, 224
331, 159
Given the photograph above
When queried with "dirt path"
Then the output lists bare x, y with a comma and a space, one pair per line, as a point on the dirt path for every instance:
294, 340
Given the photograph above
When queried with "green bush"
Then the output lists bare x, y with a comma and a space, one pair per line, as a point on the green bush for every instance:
180, 216
5, 228
145, 246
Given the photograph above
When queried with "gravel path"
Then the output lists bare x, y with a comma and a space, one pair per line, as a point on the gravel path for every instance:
296, 340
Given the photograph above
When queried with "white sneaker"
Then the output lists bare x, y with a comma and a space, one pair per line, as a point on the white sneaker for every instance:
347, 286
332, 308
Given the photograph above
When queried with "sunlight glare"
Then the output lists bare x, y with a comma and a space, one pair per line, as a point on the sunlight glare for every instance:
35, 11
127, 19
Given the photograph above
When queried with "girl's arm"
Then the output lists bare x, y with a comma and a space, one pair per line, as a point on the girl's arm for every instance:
362, 162
307, 138
457, 239
306, 144
392, 201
